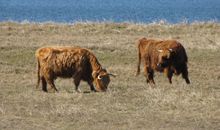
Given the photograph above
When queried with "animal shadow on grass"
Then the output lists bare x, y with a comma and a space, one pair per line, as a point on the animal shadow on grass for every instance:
73, 91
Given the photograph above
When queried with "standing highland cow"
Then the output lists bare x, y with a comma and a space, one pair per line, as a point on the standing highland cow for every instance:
70, 62
167, 56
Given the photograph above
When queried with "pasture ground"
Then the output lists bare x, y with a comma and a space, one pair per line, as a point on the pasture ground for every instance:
129, 103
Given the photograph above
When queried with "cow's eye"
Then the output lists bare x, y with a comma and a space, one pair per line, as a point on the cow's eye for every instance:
164, 58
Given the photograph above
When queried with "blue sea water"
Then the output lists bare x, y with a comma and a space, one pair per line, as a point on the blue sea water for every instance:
140, 11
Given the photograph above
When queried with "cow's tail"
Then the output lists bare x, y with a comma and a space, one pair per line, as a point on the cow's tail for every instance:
183, 53
139, 57
186, 57
38, 73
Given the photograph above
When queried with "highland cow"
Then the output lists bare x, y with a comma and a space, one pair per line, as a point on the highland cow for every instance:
167, 56
70, 62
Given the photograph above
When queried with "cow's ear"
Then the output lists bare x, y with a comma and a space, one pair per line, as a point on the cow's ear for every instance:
160, 50
94, 74
113, 75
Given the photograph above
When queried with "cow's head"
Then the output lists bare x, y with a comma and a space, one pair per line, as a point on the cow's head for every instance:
164, 57
101, 79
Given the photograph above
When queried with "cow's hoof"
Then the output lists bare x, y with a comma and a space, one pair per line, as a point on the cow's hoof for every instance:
78, 91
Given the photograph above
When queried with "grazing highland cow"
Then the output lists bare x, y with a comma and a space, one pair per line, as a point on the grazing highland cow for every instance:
167, 56
70, 62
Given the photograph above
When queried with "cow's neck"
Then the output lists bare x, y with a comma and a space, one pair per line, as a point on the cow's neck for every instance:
95, 63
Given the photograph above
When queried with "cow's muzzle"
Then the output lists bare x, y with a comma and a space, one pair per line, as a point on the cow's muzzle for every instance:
160, 66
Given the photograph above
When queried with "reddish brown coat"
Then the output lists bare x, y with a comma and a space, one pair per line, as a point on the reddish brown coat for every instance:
167, 56
70, 62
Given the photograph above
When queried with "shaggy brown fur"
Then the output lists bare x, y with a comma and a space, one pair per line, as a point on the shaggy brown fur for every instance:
70, 62
167, 56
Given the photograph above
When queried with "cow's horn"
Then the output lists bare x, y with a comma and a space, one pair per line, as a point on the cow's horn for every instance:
170, 49
114, 75
160, 50
99, 77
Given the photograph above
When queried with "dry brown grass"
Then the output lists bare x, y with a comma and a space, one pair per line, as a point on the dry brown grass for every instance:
130, 103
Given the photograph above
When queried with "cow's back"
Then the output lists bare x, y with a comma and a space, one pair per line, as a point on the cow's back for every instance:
149, 50
63, 61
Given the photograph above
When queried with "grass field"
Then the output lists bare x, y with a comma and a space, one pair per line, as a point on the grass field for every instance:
129, 103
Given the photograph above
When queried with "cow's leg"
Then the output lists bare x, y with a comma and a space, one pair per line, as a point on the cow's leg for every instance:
38, 82
149, 74
52, 85
44, 84
38, 74
77, 82
146, 74
138, 70
139, 62
185, 74
92, 88
169, 73
138, 67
